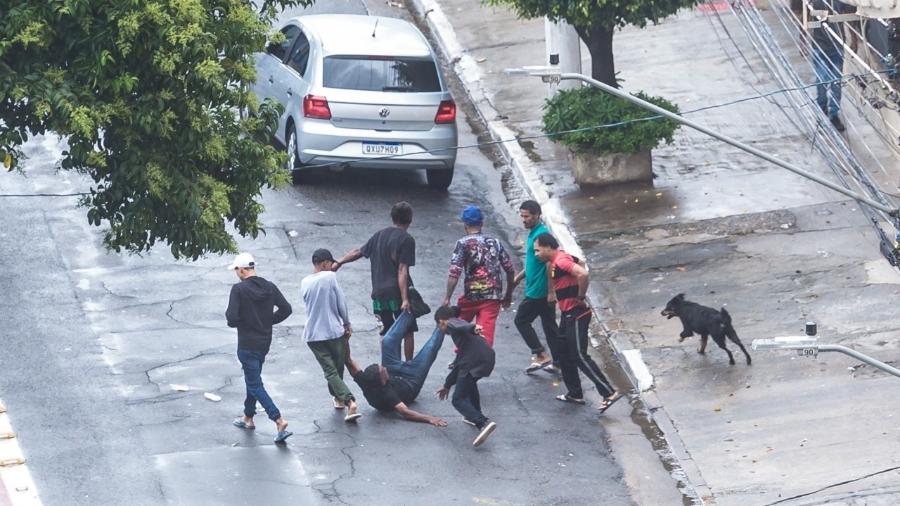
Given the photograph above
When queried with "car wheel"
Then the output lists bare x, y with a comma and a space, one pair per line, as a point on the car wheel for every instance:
291, 148
439, 179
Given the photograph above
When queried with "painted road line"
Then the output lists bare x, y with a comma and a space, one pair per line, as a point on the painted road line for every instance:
16, 485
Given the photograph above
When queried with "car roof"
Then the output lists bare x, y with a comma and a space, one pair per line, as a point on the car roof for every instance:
351, 34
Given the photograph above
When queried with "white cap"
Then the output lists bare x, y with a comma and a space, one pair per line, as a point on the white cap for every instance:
243, 261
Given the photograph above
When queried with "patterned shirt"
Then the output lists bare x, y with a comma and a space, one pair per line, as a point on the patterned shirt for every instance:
483, 260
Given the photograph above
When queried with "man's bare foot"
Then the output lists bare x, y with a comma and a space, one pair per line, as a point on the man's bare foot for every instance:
338, 404
244, 422
281, 424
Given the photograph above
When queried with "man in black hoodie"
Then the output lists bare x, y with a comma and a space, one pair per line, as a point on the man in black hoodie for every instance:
474, 360
250, 310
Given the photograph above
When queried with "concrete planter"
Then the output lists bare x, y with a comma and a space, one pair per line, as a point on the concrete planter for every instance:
602, 170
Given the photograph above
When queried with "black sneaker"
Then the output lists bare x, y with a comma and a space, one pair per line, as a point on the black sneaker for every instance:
418, 306
469, 422
483, 435
838, 124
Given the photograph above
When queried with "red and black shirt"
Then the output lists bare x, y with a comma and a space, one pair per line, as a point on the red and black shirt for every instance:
564, 281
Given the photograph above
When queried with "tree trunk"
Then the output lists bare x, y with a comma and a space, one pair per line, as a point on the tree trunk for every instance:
599, 43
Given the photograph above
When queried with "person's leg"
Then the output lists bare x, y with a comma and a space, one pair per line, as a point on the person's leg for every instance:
586, 363
820, 67
568, 359
249, 400
462, 400
527, 312
476, 397
252, 362
390, 344
837, 69
467, 309
329, 355
549, 325
488, 312
387, 320
417, 368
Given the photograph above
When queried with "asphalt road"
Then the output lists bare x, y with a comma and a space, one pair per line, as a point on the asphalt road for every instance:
93, 342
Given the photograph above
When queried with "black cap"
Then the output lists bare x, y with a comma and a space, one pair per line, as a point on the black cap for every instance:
322, 255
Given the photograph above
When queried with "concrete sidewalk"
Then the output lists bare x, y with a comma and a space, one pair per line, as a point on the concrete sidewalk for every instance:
729, 230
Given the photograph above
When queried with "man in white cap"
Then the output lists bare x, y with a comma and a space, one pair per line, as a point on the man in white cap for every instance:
251, 309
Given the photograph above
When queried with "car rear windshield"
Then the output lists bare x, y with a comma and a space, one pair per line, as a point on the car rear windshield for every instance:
380, 73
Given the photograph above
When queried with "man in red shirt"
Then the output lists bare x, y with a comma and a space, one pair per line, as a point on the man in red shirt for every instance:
568, 276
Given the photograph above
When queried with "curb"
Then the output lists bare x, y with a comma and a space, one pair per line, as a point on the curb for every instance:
685, 470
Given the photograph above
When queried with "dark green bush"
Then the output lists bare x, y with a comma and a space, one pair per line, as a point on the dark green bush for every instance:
587, 107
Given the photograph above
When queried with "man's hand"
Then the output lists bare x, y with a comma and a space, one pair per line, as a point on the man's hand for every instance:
437, 422
507, 301
479, 330
551, 298
404, 306
335, 266
442, 393
445, 302
348, 330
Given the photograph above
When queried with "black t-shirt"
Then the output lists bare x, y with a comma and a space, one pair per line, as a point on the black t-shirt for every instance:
386, 397
386, 250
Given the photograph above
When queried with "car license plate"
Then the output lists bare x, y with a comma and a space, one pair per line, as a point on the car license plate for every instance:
381, 148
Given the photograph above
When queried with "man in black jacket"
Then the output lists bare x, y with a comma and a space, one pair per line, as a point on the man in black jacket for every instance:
474, 360
250, 310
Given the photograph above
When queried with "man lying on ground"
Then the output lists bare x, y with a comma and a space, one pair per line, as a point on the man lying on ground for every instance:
396, 383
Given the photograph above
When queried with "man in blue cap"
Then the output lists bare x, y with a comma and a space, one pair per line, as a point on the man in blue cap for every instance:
483, 261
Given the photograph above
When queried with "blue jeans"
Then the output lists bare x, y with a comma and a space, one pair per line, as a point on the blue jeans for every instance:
251, 363
828, 66
467, 401
415, 370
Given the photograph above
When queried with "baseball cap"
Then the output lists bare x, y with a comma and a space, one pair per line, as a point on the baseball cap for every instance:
321, 255
471, 215
243, 261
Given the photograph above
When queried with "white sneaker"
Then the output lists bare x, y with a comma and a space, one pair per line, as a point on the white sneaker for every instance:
483, 435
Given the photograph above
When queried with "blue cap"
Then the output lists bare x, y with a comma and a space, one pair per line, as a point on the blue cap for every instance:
471, 215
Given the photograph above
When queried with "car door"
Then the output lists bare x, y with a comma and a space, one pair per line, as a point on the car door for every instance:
291, 86
270, 70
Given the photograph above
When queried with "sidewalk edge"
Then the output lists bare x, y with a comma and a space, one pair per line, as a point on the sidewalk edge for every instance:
683, 469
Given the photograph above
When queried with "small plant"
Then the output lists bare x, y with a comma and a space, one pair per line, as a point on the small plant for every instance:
586, 107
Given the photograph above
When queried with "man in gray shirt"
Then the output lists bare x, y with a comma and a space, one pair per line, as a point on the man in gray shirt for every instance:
328, 329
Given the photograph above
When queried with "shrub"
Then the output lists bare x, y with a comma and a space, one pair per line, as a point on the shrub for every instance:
587, 107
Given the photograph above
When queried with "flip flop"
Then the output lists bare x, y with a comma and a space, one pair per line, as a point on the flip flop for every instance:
609, 401
536, 366
240, 424
551, 369
282, 435
352, 418
570, 399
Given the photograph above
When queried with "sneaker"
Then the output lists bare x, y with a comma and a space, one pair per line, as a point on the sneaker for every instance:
483, 435
838, 124
469, 422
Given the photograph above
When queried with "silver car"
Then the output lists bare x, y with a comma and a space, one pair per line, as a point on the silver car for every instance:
364, 91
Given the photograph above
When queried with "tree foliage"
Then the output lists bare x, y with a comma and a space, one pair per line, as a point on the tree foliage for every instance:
583, 109
152, 98
596, 20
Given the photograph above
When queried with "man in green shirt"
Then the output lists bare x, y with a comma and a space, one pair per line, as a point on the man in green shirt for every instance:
536, 303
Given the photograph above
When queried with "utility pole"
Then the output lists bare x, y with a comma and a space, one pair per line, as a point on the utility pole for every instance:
563, 51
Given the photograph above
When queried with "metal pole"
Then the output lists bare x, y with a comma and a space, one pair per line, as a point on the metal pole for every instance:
728, 140
859, 356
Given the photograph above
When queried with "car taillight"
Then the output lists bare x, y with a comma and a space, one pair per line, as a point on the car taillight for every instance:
316, 107
446, 112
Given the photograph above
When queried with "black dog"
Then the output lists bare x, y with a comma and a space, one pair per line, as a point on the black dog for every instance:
705, 321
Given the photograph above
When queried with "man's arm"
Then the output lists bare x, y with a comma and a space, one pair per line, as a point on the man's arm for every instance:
352, 256
403, 282
341, 304
233, 313
452, 378
451, 286
352, 366
283, 307
583, 278
551, 292
415, 416
518, 278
